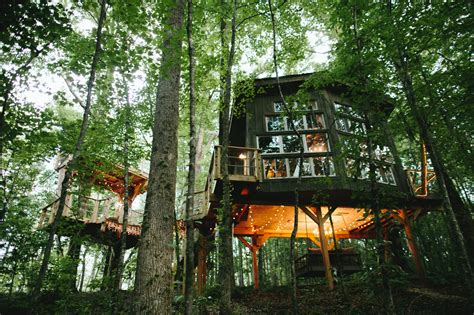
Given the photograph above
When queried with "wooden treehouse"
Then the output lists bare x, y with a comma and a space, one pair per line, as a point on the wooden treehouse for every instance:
263, 170
98, 212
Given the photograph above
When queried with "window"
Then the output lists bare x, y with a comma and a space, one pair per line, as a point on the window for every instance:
278, 107
274, 168
291, 144
361, 170
269, 144
323, 166
275, 123
294, 167
316, 142
350, 126
298, 122
314, 121
346, 110
289, 167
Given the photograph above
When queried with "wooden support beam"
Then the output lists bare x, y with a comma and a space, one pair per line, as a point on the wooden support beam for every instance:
257, 242
202, 268
310, 214
324, 249
330, 211
420, 269
255, 268
244, 241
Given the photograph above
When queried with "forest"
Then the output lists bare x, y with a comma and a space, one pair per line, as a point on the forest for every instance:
236, 157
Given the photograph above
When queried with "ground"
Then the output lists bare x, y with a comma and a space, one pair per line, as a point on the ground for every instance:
350, 298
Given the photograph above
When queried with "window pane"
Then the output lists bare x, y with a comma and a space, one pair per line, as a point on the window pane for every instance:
316, 142
269, 144
356, 127
323, 166
342, 124
293, 165
357, 169
274, 168
278, 107
383, 154
269, 168
385, 175
314, 121
291, 144
346, 109
307, 168
298, 123
281, 168
275, 123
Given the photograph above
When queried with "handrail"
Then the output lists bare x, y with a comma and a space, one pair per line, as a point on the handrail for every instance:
98, 213
426, 177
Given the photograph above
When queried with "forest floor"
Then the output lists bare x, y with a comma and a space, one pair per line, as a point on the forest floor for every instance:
312, 299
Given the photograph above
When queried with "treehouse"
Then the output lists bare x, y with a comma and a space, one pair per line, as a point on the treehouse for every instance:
98, 211
335, 188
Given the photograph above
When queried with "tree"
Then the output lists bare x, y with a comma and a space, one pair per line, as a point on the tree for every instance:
226, 271
189, 263
75, 156
155, 254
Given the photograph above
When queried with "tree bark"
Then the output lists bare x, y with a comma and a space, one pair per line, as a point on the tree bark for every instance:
75, 156
189, 263
226, 271
153, 281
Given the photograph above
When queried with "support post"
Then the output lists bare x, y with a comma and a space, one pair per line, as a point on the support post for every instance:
324, 248
257, 242
420, 270
202, 268
255, 267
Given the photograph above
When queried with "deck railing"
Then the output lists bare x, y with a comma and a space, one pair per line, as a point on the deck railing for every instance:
92, 211
244, 164
422, 183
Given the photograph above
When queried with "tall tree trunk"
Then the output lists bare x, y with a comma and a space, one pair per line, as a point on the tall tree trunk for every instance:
189, 263
75, 156
83, 271
401, 65
226, 271
126, 192
153, 281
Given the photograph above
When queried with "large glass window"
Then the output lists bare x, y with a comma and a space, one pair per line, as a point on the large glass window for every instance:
289, 167
361, 170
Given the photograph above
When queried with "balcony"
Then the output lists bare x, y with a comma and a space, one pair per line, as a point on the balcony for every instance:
244, 164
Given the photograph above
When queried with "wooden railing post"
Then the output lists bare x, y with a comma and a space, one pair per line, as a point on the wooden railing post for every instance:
96, 211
